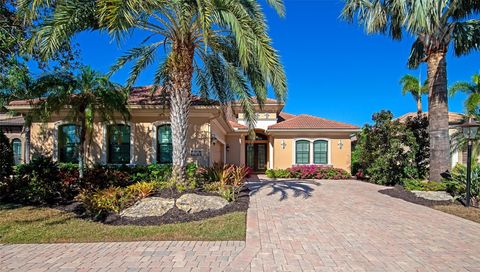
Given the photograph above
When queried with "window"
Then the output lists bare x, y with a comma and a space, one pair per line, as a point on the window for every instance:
68, 142
164, 144
320, 152
302, 152
119, 144
17, 151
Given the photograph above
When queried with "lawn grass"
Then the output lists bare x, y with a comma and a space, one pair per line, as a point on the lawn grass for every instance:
472, 214
46, 225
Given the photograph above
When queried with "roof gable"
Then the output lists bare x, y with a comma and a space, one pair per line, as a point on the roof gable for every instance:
305, 121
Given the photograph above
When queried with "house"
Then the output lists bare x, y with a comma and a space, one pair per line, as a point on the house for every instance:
281, 139
454, 120
12, 127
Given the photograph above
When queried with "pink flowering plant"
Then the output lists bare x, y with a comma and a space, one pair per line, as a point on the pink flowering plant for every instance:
317, 172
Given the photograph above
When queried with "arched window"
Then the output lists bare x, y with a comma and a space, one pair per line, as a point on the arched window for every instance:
17, 150
320, 152
302, 152
164, 144
118, 144
68, 142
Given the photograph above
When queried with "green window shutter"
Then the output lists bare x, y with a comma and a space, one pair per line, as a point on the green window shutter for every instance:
302, 152
320, 152
119, 144
164, 144
68, 142
17, 151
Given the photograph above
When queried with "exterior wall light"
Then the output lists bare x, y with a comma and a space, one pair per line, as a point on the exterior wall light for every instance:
227, 147
213, 139
283, 144
340, 144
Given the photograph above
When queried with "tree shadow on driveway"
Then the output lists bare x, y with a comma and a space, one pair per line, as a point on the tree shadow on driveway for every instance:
298, 188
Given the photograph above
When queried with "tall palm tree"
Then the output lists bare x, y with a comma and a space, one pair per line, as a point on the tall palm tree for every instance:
436, 24
411, 84
472, 89
223, 45
88, 97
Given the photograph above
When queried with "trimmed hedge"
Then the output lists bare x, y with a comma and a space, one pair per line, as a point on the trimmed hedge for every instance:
309, 172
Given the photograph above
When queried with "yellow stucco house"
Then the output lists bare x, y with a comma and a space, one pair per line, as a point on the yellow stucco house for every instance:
282, 139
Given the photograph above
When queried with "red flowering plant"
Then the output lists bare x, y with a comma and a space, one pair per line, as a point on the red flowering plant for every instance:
317, 172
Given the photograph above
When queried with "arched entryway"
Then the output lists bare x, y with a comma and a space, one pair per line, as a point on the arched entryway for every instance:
256, 149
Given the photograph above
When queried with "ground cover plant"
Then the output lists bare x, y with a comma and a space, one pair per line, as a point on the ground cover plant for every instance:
423, 185
309, 172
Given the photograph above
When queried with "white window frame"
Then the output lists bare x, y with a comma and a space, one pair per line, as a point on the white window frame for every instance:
312, 140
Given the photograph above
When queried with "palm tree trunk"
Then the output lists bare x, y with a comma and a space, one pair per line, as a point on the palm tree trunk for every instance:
81, 148
438, 115
180, 90
419, 105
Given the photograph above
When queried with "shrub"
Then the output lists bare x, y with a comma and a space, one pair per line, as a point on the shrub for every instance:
317, 172
227, 180
101, 177
386, 151
277, 173
419, 185
6, 157
459, 182
39, 182
115, 199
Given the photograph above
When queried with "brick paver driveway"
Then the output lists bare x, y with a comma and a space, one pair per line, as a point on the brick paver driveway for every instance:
292, 226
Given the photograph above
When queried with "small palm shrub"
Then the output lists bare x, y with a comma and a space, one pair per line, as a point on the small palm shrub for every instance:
458, 182
317, 172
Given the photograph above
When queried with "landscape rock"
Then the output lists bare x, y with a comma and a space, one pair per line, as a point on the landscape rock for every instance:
193, 203
434, 195
150, 206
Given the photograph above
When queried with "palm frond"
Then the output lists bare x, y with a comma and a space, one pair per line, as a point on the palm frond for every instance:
466, 37
461, 86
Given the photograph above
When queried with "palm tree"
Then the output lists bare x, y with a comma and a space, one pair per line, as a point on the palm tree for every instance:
472, 89
411, 84
435, 25
88, 97
223, 45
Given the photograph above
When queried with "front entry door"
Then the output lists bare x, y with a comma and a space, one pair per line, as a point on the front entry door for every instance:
257, 157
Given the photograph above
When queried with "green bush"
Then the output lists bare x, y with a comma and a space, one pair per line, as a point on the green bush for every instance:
459, 182
420, 185
6, 157
39, 182
277, 173
386, 151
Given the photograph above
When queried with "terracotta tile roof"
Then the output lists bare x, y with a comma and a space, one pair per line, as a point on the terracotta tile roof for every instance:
145, 95
236, 125
138, 96
282, 116
454, 118
304, 121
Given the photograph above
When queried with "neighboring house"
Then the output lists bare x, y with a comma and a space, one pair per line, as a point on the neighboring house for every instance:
12, 126
454, 120
281, 140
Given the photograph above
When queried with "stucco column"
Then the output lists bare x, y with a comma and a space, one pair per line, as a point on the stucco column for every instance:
242, 149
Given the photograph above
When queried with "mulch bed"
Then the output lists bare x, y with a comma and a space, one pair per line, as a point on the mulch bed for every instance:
399, 192
175, 215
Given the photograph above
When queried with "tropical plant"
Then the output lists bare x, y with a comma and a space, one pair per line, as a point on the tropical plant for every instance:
411, 84
6, 157
459, 182
435, 24
385, 151
472, 89
88, 97
418, 125
224, 45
